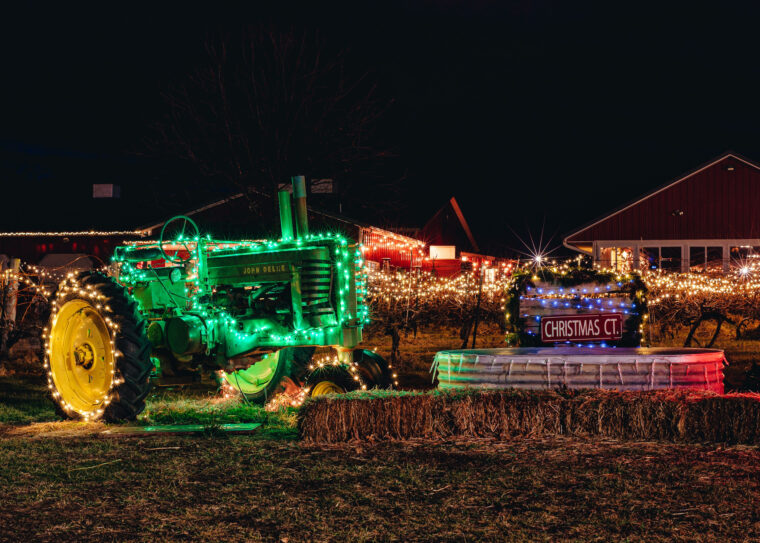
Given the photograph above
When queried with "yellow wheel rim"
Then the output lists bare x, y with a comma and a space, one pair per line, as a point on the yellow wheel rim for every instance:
327, 387
81, 358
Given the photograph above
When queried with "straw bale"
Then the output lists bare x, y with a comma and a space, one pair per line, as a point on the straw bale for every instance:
680, 416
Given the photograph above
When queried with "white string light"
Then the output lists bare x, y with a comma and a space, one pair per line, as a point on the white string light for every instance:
87, 233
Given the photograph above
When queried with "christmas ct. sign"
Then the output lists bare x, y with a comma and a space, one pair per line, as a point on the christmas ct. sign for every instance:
576, 307
598, 327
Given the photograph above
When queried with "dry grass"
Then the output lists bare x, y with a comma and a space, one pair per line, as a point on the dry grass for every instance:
662, 415
25, 410
58, 429
75, 485
243, 489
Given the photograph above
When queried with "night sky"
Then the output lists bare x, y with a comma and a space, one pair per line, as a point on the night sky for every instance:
532, 114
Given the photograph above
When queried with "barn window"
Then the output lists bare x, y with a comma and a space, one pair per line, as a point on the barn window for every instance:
739, 255
617, 258
649, 258
670, 258
706, 259
714, 259
743, 255
697, 259
605, 257
623, 259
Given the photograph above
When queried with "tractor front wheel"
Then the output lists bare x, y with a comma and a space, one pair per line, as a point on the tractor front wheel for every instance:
96, 352
373, 369
331, 379
369, 370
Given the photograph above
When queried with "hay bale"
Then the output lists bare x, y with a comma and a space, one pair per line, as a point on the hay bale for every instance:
684, 416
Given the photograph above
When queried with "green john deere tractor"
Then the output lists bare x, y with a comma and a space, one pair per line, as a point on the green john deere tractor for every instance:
254, 312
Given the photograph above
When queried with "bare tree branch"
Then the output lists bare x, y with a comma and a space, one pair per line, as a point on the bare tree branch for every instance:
267, 104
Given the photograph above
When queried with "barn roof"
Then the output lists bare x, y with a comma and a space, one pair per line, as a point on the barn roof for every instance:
449, 227
643, 217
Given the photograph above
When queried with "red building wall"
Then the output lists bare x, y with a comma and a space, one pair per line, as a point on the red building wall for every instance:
717, 202
401, 251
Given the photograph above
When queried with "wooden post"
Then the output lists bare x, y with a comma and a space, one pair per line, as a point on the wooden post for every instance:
8, 320
481, 269
409, 296
11, 292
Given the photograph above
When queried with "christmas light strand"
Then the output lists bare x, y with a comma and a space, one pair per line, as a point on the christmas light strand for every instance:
73, 233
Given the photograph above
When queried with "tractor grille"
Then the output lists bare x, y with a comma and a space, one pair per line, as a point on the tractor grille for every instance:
316, 288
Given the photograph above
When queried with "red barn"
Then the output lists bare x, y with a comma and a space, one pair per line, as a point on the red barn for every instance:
706, 220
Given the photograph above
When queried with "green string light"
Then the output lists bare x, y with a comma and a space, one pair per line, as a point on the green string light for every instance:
346, 265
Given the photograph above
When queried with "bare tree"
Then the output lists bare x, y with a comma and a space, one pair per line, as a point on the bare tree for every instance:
678, 301
400, 301
266, 104
32, 301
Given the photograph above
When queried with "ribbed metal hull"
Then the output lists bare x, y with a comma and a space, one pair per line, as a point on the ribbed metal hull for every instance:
605, 368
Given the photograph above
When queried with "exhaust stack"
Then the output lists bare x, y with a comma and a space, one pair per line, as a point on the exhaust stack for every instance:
286, 216
299, 192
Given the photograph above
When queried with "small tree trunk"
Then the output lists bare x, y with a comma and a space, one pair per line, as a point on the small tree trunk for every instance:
464, 332
8, 310
4, 337
392, 330
717, 331
740, 327
502, 324
476, 318
690, 335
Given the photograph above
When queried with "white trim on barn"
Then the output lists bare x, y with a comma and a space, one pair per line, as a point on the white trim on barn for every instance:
685, 246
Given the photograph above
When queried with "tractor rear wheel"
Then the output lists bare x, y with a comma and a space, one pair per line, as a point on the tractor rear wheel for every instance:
263, 379
96, 352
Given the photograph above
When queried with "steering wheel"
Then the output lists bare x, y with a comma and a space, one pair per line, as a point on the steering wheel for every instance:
185, 221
